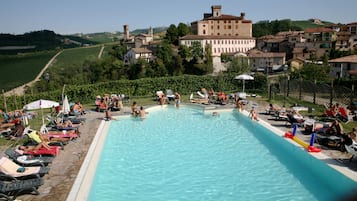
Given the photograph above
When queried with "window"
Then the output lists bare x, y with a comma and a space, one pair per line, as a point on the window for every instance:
229, 27
217, 26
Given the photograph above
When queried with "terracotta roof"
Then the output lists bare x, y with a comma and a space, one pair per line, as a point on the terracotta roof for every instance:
275, 40
202, 37
261, 54
289, 33
318, 30
352, 72
347, 59
224, 17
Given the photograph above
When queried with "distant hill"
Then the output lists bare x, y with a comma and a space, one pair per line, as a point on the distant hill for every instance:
107, 37
263, 28
38, 41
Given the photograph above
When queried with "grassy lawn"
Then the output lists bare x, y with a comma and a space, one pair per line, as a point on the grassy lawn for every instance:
20, 69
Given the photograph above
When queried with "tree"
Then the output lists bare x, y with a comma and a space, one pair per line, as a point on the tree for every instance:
196, 52
165, 52
178, 68
172, 35
184, 52
239, 65
183, 29
312, 72
118, 51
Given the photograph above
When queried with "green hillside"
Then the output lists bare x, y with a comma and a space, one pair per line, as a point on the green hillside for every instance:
38, 41
76, 56
305, 24
19, 69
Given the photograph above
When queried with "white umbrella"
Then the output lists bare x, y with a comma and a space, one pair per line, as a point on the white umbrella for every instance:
40, 104
243, 77
65, 106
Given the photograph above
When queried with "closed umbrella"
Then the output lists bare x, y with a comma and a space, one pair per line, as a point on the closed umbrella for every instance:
65, 106
244, 77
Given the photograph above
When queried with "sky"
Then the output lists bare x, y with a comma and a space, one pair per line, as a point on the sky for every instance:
91, 16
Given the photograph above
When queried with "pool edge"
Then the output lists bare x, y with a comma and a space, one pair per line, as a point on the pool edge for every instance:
81, 186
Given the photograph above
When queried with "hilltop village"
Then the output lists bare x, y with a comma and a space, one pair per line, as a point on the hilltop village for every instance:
231, 35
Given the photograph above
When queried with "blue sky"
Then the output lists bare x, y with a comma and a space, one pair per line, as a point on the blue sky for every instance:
90, 16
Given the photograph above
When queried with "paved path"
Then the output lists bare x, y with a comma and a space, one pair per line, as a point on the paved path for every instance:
101, 52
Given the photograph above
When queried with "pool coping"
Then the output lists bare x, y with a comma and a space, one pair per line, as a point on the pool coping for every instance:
81, 187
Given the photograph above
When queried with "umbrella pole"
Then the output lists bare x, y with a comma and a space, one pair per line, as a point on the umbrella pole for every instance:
43, 120
5, 106
243, 85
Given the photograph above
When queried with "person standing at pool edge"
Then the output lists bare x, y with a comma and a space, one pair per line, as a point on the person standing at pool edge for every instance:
253, 114
177, 99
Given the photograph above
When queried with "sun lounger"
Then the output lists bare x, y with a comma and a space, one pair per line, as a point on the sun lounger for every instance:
43, 151
8, 167
199, 100
350, 146
15, 154
11, 187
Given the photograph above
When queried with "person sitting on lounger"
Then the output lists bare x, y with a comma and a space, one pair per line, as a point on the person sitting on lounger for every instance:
336, 128
18, 131
65, 124
78, 109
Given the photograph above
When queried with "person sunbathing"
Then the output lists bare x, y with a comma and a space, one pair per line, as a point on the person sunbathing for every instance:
32, 148
44, 139
65, 124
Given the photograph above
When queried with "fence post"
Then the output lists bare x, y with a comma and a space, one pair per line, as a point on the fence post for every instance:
331, 94
288, 89
5, 106
300, 88
352, 94
314, 96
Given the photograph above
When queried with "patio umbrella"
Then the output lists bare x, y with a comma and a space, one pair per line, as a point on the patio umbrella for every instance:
40, 104
244, 77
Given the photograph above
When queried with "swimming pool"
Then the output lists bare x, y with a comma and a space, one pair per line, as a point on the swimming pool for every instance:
186, 154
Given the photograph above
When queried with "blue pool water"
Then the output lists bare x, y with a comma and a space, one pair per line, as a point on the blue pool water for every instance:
184, 154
